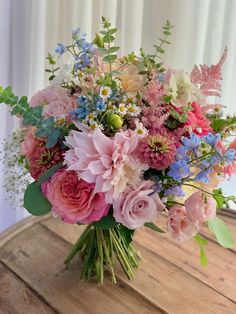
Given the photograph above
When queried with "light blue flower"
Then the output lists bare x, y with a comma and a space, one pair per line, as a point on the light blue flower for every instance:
212, 139
100, 105
203, 176
229, 156
179, 170
192, 142
82, 61
175, 191
60, 49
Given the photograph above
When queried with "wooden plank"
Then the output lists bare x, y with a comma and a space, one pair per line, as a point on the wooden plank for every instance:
17, 298
186, 256
162, 282
37, 256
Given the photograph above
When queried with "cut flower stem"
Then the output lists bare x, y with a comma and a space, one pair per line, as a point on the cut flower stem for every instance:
101, 249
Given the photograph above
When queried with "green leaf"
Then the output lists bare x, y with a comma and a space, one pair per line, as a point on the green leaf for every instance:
183, 118
113, 49
219, 197
108, 38
201, 242
110, 58
53, 138
49, 173
154, 227
106, 222
127, 234
35, 202
112, 30
221, 232
98, 41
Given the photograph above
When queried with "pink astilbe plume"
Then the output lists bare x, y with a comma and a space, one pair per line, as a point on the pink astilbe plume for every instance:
208, 78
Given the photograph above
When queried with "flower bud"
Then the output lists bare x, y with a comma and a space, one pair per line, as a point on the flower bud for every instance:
115, 121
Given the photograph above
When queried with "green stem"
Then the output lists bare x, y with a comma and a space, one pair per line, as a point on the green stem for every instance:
194, 186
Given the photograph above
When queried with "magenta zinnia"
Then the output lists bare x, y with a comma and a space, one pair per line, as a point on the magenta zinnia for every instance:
157, 149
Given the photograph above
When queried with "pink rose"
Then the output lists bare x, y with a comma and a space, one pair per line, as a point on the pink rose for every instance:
200, 207
178, 225
55, 100
137, 205
73, 199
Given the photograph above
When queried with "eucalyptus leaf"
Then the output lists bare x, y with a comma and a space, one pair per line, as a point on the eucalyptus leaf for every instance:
49, 173
35, 202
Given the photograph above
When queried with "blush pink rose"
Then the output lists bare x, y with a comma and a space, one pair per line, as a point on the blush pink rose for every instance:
200, 207
137, 205
55, 100
178, 225
73, 199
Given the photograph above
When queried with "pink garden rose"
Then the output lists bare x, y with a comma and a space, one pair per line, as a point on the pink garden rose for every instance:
73, 199
178, 224
108, 162
30, 142
137, 205
55, 100
200, 207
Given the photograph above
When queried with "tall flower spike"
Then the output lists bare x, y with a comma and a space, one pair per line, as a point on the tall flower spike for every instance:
208, 78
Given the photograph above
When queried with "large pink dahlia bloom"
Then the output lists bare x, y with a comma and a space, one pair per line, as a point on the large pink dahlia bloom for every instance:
108, 162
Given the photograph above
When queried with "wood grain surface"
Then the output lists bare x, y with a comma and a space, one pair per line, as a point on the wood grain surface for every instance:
170, 279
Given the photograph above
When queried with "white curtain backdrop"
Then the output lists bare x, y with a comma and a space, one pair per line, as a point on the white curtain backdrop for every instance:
31, 28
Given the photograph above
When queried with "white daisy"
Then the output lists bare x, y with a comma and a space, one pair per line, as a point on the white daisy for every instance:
105, 92
140, 129
133, 110
122, 109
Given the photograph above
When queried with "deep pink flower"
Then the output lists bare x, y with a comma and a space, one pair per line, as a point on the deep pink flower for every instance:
178, 224
200, 207
197, 121
73, 199
157, 149
108, 162
43, 159
137, 205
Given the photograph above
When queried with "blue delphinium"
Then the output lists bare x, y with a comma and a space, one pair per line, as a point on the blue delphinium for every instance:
192, 142
229, 156
182, 153
82, 111
82, 61
179, 170
175, 191
203, 176
212, 139
60, 49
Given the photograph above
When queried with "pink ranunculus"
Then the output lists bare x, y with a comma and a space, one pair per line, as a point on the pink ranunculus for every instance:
73, 199
197, 121
108, 162
137, 205
55, 101
178, 225
200, 207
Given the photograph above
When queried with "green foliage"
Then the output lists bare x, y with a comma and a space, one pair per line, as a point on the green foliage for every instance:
49, 173
52, 71
222, 200
127, 234
106, 222
218, 124
221, 232
201, 242
154, 227
105, 42
35, 202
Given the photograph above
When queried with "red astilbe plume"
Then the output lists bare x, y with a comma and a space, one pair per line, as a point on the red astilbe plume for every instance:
208, 78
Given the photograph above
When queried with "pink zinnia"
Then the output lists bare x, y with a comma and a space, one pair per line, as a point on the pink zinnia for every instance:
157, 149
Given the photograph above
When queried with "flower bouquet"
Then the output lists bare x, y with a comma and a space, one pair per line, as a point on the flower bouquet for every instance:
114, 142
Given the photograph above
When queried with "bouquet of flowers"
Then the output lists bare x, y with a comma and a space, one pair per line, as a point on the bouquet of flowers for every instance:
114, 142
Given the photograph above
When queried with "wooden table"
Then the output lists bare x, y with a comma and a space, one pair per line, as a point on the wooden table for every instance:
170, 279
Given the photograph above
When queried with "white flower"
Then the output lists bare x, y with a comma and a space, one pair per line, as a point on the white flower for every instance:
105, 92
122, 109
140, 129
64, 75
133, 110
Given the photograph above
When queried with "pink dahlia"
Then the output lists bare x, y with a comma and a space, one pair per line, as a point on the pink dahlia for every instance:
110, 163
157, 149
